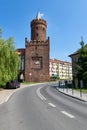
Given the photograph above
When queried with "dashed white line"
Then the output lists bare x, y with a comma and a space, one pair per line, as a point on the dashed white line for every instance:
40, 95
52, 105
67, 114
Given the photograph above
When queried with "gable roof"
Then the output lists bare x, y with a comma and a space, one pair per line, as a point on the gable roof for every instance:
76, 52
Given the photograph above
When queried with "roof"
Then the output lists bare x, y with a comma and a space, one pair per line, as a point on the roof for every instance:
58, 61
21, 51
76, 52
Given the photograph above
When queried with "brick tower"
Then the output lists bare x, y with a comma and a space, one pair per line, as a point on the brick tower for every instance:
37, 52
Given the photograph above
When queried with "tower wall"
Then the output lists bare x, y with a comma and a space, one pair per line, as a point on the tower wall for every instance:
38, 29
37, 53
37, 61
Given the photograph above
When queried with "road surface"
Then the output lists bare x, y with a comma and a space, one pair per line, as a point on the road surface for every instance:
42, 107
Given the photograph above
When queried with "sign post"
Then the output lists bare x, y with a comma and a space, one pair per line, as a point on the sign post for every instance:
30, 74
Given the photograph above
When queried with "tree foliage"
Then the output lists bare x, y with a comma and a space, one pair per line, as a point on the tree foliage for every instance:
82, 63
9, 61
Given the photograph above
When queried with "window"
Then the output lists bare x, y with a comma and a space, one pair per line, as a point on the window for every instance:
21, 66
43, 29
37, 34
37, 28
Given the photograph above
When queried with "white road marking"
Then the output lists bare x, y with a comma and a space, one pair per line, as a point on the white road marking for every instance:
68, 114
51, 104
9, 96
1, 103
40, 95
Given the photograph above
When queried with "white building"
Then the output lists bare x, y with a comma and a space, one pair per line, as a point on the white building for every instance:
59, 68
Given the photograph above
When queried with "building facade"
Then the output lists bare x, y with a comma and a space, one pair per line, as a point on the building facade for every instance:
74, 57
60, 69
35, 56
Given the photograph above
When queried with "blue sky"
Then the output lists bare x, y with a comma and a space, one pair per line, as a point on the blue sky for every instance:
66, 23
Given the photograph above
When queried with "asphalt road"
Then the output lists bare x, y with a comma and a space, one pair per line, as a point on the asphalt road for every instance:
42, 107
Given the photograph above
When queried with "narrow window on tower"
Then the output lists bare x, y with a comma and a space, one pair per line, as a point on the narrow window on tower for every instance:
37, 28
37, 34
43, 29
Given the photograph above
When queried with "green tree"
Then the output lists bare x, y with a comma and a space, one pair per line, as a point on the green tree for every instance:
82, 63
9, 61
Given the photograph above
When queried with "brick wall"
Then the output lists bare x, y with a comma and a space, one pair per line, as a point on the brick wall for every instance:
37, 61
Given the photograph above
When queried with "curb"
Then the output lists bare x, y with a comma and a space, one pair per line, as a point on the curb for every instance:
71, 96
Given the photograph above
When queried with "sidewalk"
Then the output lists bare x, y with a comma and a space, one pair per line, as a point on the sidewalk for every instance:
6, 93
73, 93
